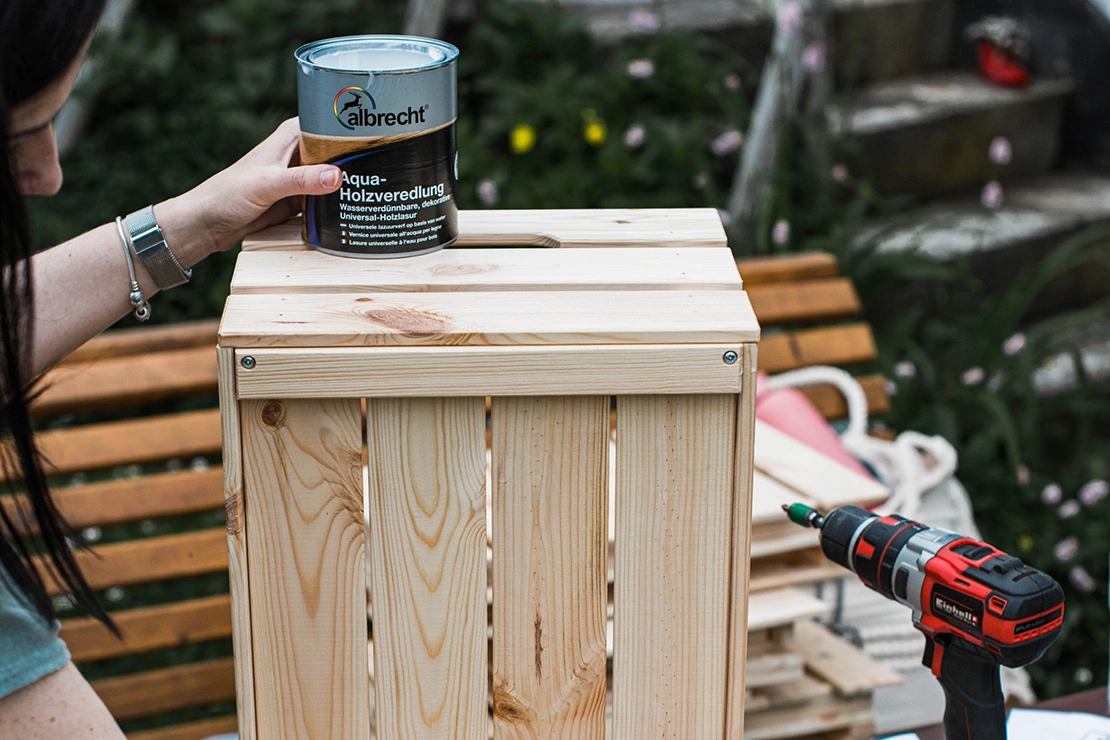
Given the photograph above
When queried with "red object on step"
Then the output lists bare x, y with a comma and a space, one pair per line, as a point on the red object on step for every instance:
1000, 67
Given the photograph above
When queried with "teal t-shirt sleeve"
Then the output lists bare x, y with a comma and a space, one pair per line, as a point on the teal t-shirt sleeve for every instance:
29, 647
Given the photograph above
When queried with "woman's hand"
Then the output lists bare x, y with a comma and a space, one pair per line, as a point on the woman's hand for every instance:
261, 189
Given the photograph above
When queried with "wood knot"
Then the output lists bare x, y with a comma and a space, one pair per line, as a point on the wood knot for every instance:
273, 414
364, 299
447, 270
410, 321
508, 708
233, 508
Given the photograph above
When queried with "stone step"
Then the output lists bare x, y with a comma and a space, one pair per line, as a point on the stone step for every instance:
872, 39
930, 135
1036, 215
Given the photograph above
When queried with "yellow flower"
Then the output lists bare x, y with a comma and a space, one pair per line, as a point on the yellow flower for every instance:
1025, 543
594, 132
522, 138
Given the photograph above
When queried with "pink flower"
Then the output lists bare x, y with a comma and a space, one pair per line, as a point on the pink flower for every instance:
644, 21
1022, 475
641, 69
726, 219
699, 181
890, 386
813, 57
1081, 579
1052, 494
1014, 344
972, 376
905, 369
727, 142
839, 172
1001, 152
1065, 549
732, 82
1093, 491
634, 136
991, 197
790, 17
487, 192
1068, 509
781, 233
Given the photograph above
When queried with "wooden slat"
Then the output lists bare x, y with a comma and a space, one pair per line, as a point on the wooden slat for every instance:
819, 478
675, 475
550, 470
851, 671
149, 440
140, 340
787, 268
150, 628
796, 693
129, 380
780, 607
131, 499
428, 566
831, 345
740, 567
400, 372
302, 463
768, 497
199, 730
151, 559
632, 227
773, 670
559, 317
832, 405
819, 716
235, 526
812, 300
167, 689
793, 569
489, 270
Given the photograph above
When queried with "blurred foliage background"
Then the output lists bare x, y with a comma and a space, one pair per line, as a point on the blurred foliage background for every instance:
548, 119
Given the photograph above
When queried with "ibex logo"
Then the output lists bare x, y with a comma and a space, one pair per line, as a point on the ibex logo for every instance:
353, 102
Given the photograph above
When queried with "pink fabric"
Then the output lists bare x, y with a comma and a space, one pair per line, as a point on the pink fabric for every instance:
789, 411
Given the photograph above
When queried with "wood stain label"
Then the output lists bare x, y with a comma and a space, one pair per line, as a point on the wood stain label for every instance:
383, 109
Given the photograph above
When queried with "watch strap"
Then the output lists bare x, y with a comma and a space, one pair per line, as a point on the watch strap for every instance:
150, 246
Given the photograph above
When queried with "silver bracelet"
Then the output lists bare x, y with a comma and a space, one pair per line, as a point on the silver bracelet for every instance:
150, 246
138, 302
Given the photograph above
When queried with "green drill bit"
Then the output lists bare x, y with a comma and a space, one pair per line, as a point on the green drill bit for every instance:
804, 515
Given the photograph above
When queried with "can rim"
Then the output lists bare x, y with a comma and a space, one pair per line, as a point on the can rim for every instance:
302, 53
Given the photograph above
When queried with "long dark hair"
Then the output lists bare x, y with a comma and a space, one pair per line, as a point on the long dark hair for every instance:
39, 40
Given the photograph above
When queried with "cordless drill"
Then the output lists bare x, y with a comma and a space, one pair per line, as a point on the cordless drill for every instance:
978, 607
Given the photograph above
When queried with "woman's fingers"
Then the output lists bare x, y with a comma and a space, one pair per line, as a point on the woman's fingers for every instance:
316, 179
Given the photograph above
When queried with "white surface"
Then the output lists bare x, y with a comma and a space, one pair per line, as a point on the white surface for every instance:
1032, 724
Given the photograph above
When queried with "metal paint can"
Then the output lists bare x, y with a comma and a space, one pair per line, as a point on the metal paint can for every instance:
383, 109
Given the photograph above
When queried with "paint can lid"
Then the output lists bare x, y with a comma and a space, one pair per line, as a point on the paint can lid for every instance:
376, 54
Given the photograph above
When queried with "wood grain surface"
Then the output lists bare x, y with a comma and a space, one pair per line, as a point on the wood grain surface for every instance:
501, 318
550, 501
675, 477
488, 371
270, 271
427, 485
302, 463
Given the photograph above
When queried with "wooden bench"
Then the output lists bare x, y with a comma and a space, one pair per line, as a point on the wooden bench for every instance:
132, 439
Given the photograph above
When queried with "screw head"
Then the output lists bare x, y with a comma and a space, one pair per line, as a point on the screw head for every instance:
247, 363
730, 357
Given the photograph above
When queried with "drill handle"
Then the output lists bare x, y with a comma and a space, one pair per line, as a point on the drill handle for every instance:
974, 708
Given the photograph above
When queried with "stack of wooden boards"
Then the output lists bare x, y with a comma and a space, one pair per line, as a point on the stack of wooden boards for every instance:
158, 510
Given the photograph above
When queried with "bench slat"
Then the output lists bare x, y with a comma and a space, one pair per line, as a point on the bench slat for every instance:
124, 342
168, 689
153, 559
124, 381
132, 499
191, 731
832, 345
792, 268
150, 628
812, 300
832, 405
148, 440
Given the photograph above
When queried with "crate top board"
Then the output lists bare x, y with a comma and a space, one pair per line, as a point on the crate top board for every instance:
656, 313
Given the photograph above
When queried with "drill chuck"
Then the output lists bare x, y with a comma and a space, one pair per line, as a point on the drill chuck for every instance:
839, 533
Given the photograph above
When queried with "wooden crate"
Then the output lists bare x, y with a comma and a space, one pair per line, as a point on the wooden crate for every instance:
330, 366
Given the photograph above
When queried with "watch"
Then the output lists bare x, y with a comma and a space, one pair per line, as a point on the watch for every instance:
150, 246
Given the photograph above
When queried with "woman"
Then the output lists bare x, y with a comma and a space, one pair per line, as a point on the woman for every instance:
54, 302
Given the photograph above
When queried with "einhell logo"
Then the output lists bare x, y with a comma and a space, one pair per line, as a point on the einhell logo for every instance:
955, 611
350, 111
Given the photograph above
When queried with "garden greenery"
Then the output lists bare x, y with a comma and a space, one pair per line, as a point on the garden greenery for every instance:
548, 119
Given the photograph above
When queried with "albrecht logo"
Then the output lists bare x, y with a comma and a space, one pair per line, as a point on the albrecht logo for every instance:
352, 101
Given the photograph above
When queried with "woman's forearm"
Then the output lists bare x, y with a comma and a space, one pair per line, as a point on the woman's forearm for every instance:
82, 286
